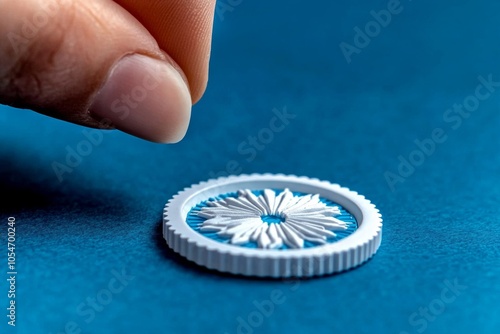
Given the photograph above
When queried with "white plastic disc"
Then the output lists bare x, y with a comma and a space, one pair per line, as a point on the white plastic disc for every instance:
272, 226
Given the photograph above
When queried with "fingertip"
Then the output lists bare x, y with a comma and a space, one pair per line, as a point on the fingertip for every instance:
145, 97
183, 28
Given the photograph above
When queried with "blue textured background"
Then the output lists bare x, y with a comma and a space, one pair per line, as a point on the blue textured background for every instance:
352, 122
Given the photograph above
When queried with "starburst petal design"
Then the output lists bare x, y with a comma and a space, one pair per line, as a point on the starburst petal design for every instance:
302, 218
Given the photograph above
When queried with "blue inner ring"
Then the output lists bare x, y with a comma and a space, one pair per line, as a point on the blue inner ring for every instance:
195, 222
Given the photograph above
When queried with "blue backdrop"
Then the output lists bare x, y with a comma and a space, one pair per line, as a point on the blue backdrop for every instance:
403, 109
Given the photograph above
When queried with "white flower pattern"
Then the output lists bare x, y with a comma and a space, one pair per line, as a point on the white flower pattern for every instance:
296, 219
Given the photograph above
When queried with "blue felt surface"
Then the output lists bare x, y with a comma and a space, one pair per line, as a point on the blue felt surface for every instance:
352, 123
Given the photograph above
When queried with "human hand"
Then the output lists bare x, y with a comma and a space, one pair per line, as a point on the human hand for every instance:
134, 65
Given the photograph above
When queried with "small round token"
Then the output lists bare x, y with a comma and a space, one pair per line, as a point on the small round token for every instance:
272, 226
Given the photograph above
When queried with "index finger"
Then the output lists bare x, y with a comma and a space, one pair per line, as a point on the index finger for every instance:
183, 29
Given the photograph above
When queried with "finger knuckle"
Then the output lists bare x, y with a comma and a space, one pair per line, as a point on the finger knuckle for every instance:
38, 53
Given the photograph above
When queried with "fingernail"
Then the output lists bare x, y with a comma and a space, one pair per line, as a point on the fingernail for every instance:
145, 97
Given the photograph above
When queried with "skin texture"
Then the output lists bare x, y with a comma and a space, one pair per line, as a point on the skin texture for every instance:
185, 36
59, 54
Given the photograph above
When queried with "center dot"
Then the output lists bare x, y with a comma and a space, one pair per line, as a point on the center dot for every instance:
272, 219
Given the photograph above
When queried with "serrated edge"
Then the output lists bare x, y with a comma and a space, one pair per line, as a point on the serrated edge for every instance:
262, 266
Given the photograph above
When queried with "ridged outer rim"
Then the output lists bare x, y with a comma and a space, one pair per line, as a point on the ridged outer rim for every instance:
326, 259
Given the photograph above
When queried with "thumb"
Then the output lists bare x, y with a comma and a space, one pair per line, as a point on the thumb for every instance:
91, 63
